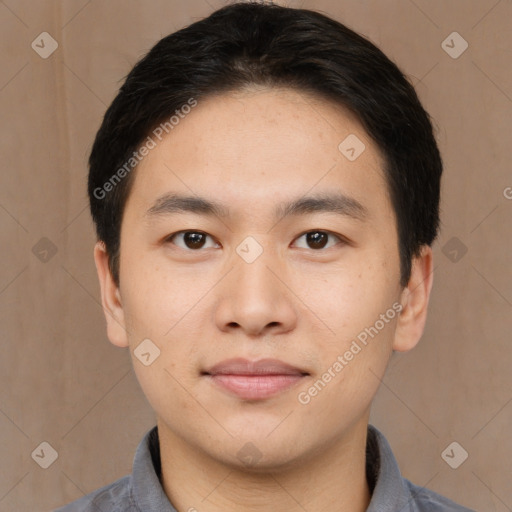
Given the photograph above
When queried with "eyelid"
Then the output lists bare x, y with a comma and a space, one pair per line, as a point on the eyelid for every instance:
168, 238
341, 238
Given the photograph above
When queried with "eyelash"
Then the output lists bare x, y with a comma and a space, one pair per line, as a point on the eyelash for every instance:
329, 233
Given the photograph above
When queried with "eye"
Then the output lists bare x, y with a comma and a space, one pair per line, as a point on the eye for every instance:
192, 240
317, 239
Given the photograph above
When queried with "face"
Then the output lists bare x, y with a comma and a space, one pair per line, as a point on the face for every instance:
292, 255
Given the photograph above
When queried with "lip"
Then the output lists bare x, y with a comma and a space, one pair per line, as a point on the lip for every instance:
254, 380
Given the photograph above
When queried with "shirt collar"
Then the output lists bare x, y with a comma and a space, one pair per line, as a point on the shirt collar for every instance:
147, 491
382, 472
390, 493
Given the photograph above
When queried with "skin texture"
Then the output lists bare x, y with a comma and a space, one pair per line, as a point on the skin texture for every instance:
251, 150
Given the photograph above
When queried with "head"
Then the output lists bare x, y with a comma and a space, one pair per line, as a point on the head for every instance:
284, 126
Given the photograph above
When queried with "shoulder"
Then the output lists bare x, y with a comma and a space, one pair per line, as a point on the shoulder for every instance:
115, 497
426, 500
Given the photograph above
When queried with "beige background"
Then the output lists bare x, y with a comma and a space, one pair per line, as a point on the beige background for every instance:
62, 381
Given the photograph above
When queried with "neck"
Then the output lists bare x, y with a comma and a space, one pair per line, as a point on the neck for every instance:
333, 479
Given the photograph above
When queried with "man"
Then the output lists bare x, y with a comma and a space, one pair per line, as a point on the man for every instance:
265, 189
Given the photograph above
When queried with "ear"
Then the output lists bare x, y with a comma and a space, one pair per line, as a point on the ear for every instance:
110, 298
414, 300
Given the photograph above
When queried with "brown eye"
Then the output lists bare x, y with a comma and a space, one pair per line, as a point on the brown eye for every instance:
192, 240
318, 239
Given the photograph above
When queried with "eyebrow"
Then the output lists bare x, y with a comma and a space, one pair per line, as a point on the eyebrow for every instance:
337, 203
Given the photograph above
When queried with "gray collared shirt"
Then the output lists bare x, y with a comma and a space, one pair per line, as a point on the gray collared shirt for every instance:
142, 491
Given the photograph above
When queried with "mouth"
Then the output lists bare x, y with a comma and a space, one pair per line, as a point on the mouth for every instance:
254, 380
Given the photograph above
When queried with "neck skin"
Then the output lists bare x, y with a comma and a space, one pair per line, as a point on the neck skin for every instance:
332, 480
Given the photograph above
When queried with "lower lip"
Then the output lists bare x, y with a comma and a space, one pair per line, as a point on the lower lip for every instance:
255, 387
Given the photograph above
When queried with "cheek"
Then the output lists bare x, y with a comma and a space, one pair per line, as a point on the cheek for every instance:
357, 307
154, 300
164, 387
163, 307
352, 369
348, 298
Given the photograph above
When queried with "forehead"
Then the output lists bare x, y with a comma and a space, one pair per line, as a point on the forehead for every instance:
254, 148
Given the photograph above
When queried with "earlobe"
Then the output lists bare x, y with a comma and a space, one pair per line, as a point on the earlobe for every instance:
414, 300
110, 298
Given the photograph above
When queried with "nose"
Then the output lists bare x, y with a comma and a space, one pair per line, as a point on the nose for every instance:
255, 299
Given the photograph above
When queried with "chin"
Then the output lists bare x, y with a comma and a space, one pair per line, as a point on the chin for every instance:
255, 451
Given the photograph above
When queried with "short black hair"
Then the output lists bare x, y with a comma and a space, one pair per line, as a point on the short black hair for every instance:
246, 44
